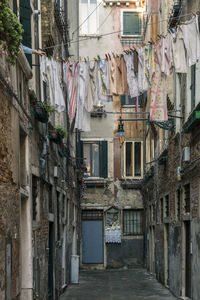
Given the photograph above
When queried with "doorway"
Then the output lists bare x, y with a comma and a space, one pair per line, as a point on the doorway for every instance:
92, 237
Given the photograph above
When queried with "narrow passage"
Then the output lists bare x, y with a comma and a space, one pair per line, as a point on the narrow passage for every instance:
117, 285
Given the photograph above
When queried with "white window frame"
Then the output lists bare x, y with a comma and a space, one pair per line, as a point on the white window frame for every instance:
133, 159
88, 13
138, 10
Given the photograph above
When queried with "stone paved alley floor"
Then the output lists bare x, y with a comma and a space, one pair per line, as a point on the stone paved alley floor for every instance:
117, 285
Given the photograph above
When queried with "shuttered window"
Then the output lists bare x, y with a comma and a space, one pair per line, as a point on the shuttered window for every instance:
132, 23
25, 19
96, 158
133, 159
132, 222
127, 100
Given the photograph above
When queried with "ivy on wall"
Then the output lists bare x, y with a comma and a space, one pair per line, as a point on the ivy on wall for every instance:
10, 31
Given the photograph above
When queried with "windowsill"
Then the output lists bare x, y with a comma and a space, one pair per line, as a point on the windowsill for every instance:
130, 36
90, 35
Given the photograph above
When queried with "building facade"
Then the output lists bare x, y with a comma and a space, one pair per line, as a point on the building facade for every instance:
112, 202
39, 194
171, 186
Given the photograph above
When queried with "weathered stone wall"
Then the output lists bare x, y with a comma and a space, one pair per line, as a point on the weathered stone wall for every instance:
9, 200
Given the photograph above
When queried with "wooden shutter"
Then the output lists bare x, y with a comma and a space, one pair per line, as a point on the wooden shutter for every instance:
193, 83
25, 19
15, 6
103, 159
132, 24
122, 100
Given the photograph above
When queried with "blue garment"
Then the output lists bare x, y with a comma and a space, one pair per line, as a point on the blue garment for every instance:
27, 50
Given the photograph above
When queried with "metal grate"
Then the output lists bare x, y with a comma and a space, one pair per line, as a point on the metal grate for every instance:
132, 222
92, 214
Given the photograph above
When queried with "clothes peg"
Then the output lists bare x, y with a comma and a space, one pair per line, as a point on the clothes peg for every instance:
113, 54
95, 59
85, 59
80, 58
109, 56
98, 57
106, 57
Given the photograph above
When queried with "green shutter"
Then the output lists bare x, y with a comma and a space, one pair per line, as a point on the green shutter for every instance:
123, 100
15, 6
103, 159
25, 19
193, 83
132, 23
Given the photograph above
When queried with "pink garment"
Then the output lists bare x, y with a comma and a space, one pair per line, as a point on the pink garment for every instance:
158, 99
72, 75
166, 54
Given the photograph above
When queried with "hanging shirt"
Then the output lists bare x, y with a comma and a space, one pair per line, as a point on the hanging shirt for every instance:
103, 81
131, 77
158, 99
142, 80
179, 53
59, 97
166, 53
92, 93
82, 116
192, 40
71, 77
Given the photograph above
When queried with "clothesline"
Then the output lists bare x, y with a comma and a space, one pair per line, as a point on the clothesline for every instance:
114, 32
141, 69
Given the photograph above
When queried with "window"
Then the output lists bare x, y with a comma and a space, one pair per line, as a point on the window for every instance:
167, 206
132, 222
89, 7
127, 100
178, 204
161, 210
131, 23
25, 19
187, 198
133, 163
96, 158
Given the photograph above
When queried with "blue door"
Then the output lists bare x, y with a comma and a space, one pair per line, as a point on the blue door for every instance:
92, 241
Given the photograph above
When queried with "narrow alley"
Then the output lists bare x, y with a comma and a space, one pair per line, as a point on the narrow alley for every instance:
134, 284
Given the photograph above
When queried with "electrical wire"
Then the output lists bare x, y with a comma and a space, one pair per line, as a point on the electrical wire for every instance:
113, 32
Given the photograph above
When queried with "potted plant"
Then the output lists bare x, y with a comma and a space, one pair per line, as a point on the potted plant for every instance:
57, 134
40, 112
61, 132
49, 108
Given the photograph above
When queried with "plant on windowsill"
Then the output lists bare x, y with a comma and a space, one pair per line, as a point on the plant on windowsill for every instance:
39, 112
49, 108
57, 134
10, 32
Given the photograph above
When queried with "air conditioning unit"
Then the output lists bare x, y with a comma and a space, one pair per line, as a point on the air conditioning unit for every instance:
186, 154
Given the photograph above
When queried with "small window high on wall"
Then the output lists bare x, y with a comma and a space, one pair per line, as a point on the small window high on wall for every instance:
132, 222
90, 25
131, 23
133, 159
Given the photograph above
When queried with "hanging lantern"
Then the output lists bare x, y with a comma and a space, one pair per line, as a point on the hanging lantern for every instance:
120, 131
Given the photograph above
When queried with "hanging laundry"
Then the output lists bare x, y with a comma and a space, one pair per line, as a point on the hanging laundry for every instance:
191, 39
135, 60
82, 116
149, 63
92, 92
167, 55
142, 80
58, 92
71, 78
158, 96
131, 77
103, 81
123, 76
179, 53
